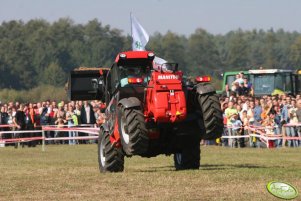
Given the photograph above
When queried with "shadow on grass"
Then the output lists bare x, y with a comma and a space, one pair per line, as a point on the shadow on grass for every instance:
228, 166
203, 167
166, 168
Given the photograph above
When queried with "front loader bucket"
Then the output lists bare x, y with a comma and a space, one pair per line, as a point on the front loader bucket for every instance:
85, 84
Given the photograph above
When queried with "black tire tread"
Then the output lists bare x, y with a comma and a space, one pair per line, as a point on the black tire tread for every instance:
212, 115
138, 136
191, 157
114, 156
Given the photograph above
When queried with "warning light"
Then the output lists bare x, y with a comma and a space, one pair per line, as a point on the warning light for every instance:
203, 79
135, 80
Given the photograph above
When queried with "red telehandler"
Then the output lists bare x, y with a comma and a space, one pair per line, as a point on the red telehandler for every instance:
152, 109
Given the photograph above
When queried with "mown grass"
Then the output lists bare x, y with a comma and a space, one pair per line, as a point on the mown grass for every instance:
71, 173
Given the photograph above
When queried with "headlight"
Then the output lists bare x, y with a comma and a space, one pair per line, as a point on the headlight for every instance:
122, 56
151, 55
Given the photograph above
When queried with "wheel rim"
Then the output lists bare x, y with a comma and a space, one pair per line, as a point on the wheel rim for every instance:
178, 157
102, 152
124, 134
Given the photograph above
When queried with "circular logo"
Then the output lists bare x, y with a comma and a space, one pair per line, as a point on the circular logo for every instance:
282, 190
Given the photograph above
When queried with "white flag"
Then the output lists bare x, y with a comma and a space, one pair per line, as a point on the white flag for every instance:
139, 35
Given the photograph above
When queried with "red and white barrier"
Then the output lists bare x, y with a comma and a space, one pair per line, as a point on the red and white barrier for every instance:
94, 131
257, 131
7, 126
25, 139
261, 132
292, 124
73, 138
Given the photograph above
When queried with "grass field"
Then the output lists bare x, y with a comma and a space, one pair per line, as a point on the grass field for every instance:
71, 173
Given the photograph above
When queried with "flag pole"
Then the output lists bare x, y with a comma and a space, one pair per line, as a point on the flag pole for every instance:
131, 28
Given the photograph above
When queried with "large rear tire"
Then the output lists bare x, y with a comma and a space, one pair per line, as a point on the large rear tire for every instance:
188, 158
133, 133
212, 115
110, 158
187, 145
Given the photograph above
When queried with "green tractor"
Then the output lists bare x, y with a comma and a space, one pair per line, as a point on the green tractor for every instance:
229, 77
266, 81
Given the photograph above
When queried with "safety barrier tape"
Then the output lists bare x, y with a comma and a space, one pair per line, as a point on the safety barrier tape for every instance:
266, 127
236, 136
25, 131
251, 126
92, 131
74, 128
72, 138
270, 137
95, 131
13, 140
21, 139
7, 126
292, 124
64, 125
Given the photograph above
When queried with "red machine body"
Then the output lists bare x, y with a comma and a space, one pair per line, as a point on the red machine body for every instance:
134, 55
165, 100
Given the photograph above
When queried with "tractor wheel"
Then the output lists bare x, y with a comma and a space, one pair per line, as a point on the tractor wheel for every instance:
188, 158
132, 130
212, 114
110, 158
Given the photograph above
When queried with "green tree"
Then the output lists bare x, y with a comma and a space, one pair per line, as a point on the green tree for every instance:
237, 50
30, 53
203, 53
54, 75
295, 53
270, 50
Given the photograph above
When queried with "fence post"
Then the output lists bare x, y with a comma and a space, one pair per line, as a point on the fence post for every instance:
43, 140
283, 132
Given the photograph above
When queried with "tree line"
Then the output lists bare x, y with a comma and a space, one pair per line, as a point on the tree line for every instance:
41, 53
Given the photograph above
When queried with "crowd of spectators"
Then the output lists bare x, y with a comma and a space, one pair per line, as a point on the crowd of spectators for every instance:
268, 114
17, 116
241, 110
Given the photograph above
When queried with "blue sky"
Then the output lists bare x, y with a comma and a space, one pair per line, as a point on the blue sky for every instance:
182, 17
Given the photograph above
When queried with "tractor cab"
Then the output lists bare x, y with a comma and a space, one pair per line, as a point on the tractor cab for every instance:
132, 75
129, 74
298, 81
230, 77
266, 81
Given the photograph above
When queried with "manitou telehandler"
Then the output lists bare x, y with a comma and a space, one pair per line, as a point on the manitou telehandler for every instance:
151, 109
